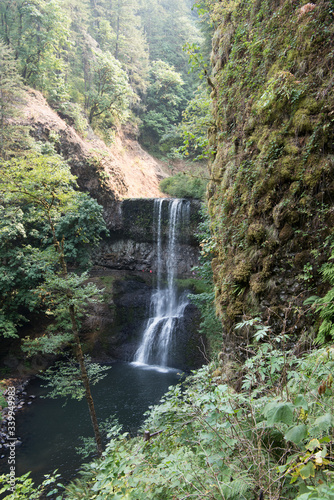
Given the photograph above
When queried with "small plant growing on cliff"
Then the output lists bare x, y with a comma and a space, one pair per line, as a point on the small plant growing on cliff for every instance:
210, 325
325, 306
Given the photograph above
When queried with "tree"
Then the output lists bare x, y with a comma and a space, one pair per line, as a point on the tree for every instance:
168, 24
196, 120
12, 136
45, 188
118, 29
164, 102
37, 31
110, 91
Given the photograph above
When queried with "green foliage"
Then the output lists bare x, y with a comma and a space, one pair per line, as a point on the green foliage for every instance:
110, 91
271, 147
12, 137
34, 191
214, 442
184, 185
24, 488
110, 428
167, 25
273, 435
82, 227
282, 90
324, 306
99, 55
196, 120
38, 32
21, 269
164, 102
64, 378
53, 294
47, 186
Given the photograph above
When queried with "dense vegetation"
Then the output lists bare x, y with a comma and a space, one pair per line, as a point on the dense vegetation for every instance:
118, 61
257, 421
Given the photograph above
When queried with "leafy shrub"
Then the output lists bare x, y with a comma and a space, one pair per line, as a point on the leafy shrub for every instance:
272, 438
324, 306
183, 185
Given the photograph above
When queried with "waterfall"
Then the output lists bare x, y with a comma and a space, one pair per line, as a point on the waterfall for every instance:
166, 307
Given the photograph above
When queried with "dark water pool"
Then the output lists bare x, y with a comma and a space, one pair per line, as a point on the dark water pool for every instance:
50, 431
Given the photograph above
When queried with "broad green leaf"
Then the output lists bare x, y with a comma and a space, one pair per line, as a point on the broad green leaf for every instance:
307, 470
322, 423
301, 401
296, 434
279, 412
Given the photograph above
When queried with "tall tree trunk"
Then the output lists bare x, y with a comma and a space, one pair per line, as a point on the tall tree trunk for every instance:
59, 247
118, 30
85, 381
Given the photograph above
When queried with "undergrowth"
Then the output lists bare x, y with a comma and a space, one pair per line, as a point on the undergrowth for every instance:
183, 185
271, 438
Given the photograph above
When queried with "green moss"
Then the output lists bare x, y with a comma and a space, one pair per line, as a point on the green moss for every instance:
3, 401
291, 147
195, 285
302, 122
274, 136
234, 309
256, 233
242, 271
311, 104
257, 283
287, 168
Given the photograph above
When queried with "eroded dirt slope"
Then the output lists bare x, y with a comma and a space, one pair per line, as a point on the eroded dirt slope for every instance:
123, 170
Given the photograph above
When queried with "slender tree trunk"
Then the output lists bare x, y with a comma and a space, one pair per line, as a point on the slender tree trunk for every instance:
59, 247
85, 381
117, 30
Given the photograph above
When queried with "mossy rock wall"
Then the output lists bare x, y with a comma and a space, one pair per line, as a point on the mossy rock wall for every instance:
272, 189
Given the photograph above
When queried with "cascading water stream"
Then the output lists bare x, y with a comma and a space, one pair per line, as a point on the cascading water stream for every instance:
166, 306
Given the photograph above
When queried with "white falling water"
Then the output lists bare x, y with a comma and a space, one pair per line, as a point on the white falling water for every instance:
166, 307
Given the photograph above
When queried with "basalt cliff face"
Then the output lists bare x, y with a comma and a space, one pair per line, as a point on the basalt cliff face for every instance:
132, 244
271, 196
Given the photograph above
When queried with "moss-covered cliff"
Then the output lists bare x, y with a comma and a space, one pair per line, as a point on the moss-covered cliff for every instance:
272, 189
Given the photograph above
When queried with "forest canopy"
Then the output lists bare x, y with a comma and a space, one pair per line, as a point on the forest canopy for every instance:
118, 61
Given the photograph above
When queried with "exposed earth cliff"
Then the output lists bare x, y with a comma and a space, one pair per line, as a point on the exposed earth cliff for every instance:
123, 170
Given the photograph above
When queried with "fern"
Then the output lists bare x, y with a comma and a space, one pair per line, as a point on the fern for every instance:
325, 305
